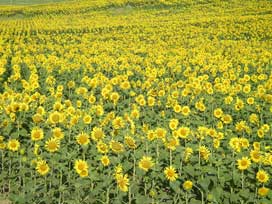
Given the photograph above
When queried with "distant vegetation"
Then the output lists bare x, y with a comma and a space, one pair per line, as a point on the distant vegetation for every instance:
28, 2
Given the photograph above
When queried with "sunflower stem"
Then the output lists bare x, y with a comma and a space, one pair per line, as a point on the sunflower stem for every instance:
157, 153
242, 179
145, 189
60, 184
129, 195
9, 185
134, 165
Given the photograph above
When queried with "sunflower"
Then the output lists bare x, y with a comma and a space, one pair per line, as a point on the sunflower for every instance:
177, 108
243, 163
123, 182
87, 119
185, 110
83, 139
57, 133
151, 101
187, 185
57, 105
125, 85
161, 133
227, 119
13, 145
37, 118
262, 176
204, 152
183, 132
146, 163
114, 97
116, 147
36, 149
118, 170
218, 113
256, 145
105, 160
102, 147
250, 100
91, 99
263, 191
260, 133
118, 123
52, 145
36, 134
97, 134
170, 173
255, 156
151, 135
55, 117
130, 142
173, 124
2, 145
81, 167
187, 153
135, 113
42, 167
172, 143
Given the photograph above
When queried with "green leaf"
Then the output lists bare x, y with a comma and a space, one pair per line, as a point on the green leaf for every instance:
234, 198
204, 183
194, 201
175, 186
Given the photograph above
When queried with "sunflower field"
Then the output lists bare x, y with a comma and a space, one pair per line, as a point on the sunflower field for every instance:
136, 101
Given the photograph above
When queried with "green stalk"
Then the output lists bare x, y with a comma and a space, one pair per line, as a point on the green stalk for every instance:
242, 179
9, 185
202, 194
145, 188
170, 157
60, 184
157, 153
129, 195
2, 167
134, 166
108, 195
